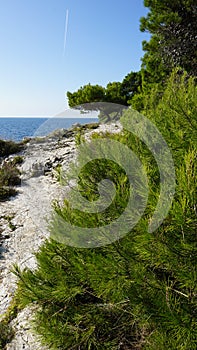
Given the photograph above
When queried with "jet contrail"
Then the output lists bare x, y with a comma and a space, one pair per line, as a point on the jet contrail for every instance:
65, 33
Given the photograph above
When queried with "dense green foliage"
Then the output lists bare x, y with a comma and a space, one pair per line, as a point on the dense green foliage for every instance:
173, 43
141, 291
115, 92
9, 147
173, 29
9, 173
6, 334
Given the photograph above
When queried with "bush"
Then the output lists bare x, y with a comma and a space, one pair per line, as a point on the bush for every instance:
17, 160
9, 174
6, 192
6, 334
9, 177
9, 147
141, 291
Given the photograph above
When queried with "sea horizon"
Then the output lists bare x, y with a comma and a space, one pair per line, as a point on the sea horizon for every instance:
18, 128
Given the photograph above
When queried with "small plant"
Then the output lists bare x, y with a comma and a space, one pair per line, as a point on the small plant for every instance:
85, 127
9, 175
9, 218
17, 160
80, 131
9, 147
58, 172
78, 138
7, 332
6, 192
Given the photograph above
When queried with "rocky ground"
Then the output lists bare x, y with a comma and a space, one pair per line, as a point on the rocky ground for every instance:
24, 219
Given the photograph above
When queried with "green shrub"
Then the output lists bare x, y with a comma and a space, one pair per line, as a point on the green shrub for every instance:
6, 192
17, 160
9, 147
58, 172
9, 175
141, 291
6, 334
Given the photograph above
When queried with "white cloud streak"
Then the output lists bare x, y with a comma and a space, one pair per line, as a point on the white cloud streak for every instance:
65, 32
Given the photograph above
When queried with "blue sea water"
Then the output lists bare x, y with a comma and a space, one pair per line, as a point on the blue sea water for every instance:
17, 128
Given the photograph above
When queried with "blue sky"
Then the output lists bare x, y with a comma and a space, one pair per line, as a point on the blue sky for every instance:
103, 44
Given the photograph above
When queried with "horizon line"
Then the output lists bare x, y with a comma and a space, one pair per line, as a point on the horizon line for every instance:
24, 116
47, 117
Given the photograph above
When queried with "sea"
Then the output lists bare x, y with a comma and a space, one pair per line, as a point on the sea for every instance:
16, 129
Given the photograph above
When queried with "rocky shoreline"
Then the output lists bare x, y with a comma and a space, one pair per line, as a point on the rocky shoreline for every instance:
24, 218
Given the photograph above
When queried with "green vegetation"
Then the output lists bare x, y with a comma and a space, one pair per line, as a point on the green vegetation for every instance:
173, 28
9, 147
6, 334
115, 92
9, 177
141, 291
172, 25
58, 172
9, 173
17, 160
9, 218
6, 330
173, 43
80, 131
6, 192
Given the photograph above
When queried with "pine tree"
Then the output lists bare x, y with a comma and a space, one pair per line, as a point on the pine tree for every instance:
173, 27
141, 291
